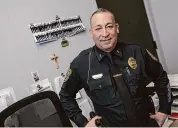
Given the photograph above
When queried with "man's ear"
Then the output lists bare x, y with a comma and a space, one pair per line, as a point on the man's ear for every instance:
117, 27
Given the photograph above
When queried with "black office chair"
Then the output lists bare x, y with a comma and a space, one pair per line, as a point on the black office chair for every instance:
42, 109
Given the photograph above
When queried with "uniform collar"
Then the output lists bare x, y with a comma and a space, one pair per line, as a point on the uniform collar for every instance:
99, 53
116, 51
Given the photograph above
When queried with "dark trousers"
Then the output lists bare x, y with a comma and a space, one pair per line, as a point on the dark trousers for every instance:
152, 123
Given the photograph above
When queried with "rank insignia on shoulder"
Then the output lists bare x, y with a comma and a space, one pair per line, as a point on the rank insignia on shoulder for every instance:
152, 56
132, 63
69, 72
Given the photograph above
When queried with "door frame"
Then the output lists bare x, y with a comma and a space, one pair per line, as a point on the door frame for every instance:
154, 31
155, 34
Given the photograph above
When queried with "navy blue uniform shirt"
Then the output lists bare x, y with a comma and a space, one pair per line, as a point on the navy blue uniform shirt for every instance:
90, 70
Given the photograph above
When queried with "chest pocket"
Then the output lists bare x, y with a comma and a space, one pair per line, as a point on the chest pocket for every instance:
102, 91
134, 78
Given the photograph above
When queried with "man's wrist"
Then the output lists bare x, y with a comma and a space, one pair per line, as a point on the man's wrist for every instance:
81, 120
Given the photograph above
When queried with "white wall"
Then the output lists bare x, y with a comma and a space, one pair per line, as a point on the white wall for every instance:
164, 19
18, 51
20, 56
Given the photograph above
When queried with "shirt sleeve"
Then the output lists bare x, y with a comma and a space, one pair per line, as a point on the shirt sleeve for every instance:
159, 77
67, 95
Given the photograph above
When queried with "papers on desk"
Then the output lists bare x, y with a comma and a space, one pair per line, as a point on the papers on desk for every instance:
40, 86
173, 78
175, 102
175, 107
7, 97
3, 103
174, 91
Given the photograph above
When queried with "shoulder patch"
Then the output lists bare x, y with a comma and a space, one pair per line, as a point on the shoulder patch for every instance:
69, 72
152, 56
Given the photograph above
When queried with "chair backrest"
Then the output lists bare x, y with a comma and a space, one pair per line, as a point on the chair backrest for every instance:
42, 109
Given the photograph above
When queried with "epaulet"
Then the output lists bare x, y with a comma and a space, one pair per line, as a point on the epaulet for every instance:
130, 45
84, 53
133, 44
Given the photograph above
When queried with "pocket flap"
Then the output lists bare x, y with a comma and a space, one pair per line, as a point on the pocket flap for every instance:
100, 83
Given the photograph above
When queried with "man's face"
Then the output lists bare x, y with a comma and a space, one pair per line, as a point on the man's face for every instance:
104, 31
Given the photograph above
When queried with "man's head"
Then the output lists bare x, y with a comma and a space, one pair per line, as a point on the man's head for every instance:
104, 30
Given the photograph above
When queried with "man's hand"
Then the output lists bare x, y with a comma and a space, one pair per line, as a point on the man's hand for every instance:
91, 123
159, 117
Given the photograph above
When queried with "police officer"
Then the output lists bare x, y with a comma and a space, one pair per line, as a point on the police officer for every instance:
114, 76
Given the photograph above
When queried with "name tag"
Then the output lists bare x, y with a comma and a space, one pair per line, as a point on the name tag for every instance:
97, 76
116, 75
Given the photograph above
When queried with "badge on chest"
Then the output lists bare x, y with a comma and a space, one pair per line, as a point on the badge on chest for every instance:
132, 63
